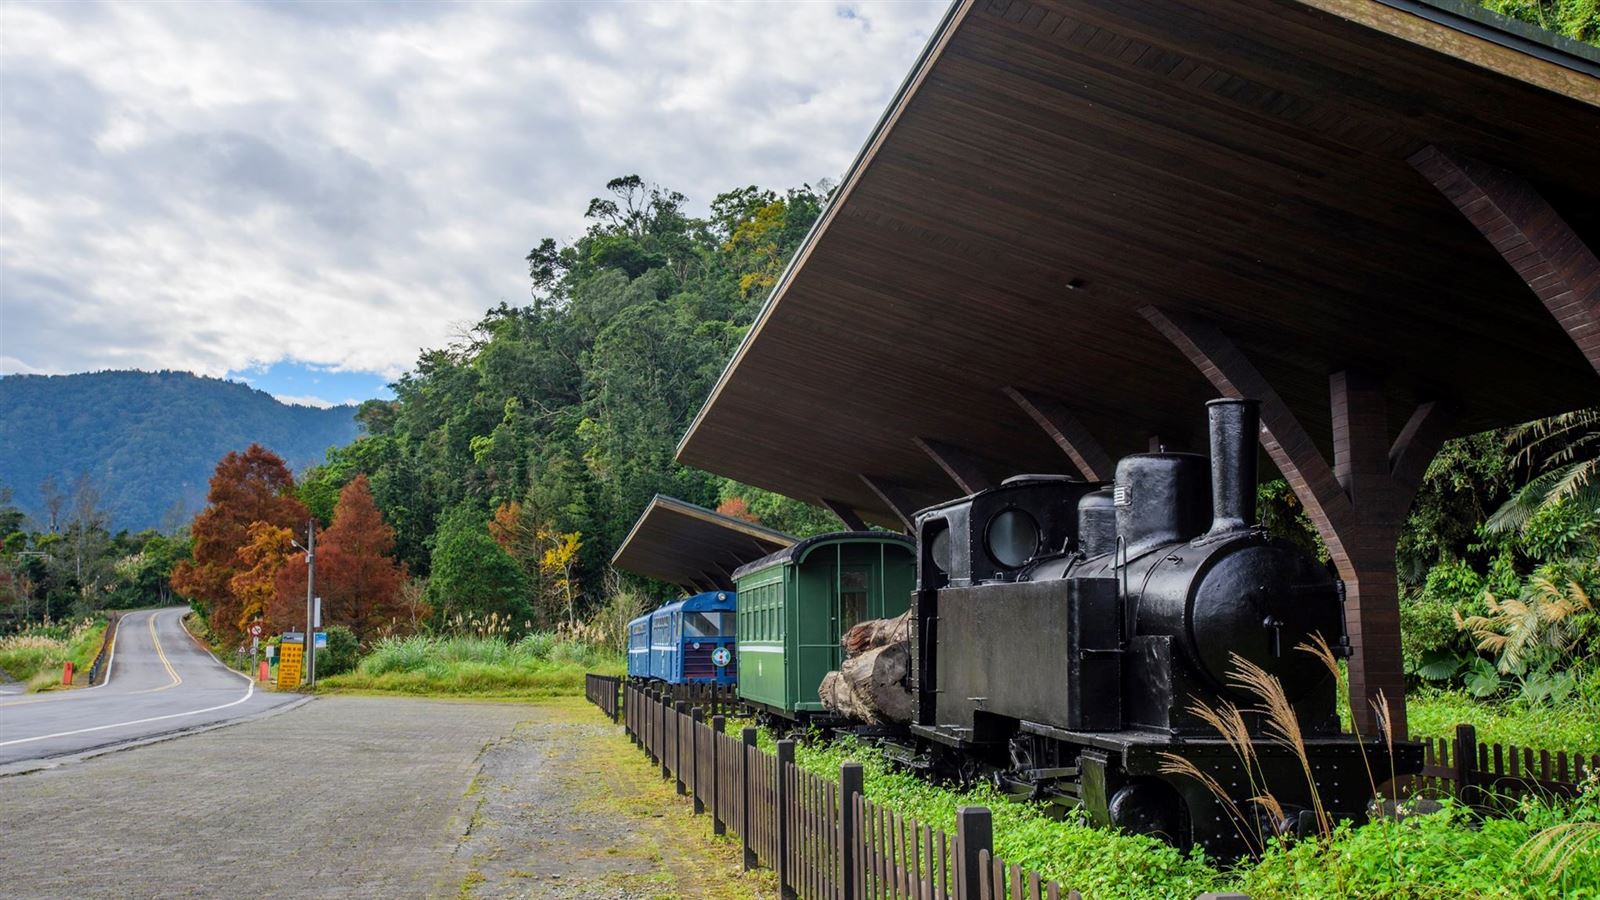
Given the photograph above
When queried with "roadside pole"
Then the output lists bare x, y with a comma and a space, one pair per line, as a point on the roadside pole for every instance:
311, 592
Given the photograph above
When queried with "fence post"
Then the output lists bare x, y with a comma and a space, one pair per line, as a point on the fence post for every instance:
719, 724
662, 747
616, 701
749, 741
785, 763
850, 788
974, 834
1466, 751
679, 709
698, 716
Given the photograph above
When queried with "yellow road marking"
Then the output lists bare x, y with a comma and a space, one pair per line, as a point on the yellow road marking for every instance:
176, 680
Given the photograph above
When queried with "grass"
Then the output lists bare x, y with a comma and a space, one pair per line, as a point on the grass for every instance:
35, 656
537, 666
1573, 727
1447, 854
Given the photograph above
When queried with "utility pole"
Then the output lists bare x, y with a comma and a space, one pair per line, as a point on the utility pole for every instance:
311, 592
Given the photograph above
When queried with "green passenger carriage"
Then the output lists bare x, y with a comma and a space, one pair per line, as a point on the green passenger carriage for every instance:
796, 604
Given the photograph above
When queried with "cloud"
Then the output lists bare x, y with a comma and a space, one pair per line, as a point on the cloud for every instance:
317, 402
227, 185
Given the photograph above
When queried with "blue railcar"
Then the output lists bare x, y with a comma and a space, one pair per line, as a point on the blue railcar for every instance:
690, 641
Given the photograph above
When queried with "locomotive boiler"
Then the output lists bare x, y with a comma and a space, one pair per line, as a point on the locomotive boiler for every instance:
1066, 634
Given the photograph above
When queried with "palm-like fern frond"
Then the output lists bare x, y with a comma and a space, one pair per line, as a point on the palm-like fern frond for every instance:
1565, 452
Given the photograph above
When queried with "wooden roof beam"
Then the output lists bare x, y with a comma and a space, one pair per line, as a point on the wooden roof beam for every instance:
1529, 234
895, 498
1057, 420
844, 513
962, 466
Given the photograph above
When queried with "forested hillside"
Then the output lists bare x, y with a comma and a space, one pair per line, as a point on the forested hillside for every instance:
147, 440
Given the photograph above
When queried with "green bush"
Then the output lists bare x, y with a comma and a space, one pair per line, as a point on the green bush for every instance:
540, 664
341, 654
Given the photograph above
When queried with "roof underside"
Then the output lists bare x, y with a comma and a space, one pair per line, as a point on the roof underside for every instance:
692, 547
1243, 162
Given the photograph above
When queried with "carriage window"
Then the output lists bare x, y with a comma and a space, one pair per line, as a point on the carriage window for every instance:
705, 624
663, 631
852, 597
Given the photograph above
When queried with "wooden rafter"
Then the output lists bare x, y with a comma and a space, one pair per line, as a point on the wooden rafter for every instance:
844, 513
1058, 421
1529, 234
962, 466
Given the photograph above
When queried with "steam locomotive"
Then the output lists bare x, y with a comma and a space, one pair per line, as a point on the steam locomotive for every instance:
1068, 637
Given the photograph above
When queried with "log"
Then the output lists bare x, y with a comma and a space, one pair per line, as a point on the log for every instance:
877, 633
871, 687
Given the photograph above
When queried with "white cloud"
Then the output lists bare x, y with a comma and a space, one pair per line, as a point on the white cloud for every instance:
317, 402
211, 186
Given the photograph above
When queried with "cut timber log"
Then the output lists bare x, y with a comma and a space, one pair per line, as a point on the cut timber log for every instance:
871, 684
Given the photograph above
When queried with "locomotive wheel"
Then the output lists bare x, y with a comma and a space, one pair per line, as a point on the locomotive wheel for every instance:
1149, 806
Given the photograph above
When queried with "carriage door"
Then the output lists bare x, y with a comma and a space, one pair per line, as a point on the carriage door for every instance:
852, 602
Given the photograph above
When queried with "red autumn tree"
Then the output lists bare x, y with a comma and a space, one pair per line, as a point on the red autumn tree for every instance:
249, 487
357, 577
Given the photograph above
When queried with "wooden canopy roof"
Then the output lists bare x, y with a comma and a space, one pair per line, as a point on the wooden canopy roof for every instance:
1055, 177
691, 546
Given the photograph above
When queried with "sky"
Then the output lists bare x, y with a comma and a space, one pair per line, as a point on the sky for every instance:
304, 195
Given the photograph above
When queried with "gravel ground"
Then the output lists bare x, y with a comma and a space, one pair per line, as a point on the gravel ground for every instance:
368, 797
568, 808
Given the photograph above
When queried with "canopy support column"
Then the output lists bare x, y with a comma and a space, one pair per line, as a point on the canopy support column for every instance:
1529, 234
1358, 504
1091, 460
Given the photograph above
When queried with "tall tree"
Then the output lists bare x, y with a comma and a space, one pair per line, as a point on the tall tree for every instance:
357, 577
472, 576
268, 548
249, 487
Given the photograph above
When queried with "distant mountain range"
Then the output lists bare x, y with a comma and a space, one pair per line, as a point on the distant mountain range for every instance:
148, 440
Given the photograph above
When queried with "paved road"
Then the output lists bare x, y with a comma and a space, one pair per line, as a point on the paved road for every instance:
161, 681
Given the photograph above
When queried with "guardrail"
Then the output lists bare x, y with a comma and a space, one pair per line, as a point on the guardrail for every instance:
98, 669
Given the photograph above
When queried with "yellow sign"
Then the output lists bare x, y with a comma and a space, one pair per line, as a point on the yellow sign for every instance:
289, 666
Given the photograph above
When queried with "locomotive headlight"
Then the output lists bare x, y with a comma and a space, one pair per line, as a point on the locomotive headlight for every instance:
1011, 537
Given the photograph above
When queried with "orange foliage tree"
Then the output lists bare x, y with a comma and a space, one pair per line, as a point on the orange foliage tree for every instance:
269, 546
357, 577
249, 487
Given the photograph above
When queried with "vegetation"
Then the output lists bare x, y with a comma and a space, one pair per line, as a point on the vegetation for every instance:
480, 660
36, 655
74, 567
146, 439
1577, 19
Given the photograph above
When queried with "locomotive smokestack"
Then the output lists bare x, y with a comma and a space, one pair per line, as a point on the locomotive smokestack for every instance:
1234, 428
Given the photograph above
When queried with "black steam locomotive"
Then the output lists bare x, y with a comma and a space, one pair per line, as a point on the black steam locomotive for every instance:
1063, 634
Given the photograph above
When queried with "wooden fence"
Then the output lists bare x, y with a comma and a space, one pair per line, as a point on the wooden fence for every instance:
824, 838
827, 840
1484, 774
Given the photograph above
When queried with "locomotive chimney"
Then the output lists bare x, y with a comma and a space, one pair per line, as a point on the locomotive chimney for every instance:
1235, 425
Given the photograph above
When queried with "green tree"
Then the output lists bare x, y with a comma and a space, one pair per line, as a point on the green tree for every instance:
472, 576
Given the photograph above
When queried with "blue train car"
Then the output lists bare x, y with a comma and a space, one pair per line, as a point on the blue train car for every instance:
687, 642
639, 647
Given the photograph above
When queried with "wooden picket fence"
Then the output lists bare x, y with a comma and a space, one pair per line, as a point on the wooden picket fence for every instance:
824, 838
1487, 774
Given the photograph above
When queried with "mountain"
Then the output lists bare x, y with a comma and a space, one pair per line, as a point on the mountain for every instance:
148, 440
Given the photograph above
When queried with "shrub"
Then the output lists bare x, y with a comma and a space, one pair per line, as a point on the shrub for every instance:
341, 654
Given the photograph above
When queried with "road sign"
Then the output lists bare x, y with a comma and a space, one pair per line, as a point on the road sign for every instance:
255, 629
321, 641
316, 614
289, 667
272, 650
